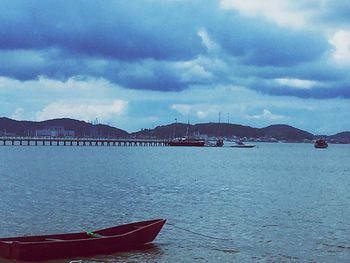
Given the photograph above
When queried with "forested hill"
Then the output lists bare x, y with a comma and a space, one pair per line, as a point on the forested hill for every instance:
80, 128
283, 132
279, 132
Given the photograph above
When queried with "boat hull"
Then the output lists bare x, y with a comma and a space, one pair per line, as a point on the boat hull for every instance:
104, 241
187, 143
243, 146
321, 144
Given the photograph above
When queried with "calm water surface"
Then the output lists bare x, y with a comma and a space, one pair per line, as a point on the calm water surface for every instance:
273, 203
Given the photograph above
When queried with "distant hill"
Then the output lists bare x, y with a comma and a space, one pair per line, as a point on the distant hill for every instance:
342, 137
209, 129
227, 130
80, 128
83, 129
280, 132
286, 132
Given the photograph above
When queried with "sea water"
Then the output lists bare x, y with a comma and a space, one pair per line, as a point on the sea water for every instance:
276, 202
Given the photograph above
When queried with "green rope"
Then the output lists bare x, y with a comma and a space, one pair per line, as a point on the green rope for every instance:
92, 234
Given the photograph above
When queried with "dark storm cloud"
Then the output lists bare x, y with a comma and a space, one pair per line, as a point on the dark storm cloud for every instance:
325, 90
335, 12
263, 44
137, 44
113, 29
67, 38
316, 93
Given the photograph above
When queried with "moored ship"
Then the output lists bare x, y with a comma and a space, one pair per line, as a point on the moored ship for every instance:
187, 142
321, 144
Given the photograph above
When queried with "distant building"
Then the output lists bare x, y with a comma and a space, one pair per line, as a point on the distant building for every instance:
54, 131
7, 134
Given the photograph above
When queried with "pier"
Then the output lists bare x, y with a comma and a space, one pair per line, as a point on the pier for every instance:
52, 141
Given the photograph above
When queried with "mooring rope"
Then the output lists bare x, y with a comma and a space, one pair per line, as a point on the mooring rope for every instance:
196, 233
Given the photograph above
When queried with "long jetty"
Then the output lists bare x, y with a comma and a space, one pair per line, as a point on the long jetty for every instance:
53, 141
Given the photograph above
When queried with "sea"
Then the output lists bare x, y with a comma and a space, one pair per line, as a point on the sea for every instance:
277, 202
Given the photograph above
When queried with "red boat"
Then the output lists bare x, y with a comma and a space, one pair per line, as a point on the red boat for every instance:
187, 142
104, 241
321, 144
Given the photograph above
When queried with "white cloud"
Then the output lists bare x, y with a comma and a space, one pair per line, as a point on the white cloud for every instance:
18, 114
200, 110
86, 111
48, 85
181, 108
297, 83
201, 114
341, 42
207, 42
282, 12
132, 110
267, 115
6, 83
71, 83
192, 70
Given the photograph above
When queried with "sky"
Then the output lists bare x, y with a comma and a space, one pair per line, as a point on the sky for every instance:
144, 63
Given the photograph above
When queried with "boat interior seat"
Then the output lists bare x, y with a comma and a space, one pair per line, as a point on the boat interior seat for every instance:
92, 234
7, 242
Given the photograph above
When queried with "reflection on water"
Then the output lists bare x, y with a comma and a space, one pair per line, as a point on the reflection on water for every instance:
145, 253
272, 203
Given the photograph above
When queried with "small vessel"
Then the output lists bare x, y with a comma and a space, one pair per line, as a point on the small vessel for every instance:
321, 144
214, 143
240, 144
219, 143
187, 142
71, 245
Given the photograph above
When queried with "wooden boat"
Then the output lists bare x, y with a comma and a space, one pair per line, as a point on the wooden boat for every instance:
104, 241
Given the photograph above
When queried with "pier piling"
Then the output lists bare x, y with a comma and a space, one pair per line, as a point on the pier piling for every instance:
54, 141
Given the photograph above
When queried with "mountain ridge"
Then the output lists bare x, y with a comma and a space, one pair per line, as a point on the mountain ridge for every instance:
80, 128
85, 129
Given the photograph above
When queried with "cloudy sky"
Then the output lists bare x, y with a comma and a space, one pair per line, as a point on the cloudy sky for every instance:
143, 63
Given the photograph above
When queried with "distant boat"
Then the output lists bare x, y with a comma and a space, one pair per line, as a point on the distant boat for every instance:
321, 144
219, 143
240, 144
214, 143
104, 241
187, 142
